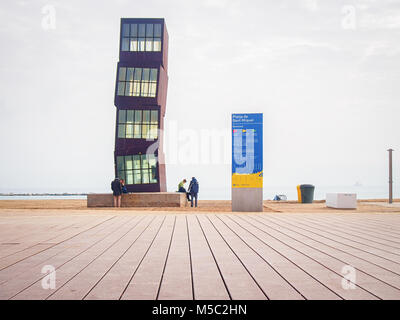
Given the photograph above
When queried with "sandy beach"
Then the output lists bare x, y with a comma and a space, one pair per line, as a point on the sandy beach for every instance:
72, 206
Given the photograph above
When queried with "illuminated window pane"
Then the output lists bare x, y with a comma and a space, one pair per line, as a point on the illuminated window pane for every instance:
145, 89
154, 116
121, 87
157, 44
120, 163
142, 30
136, 162
138, 116
136, 89
134, 44
125, 44
153, 75
145, 176
137, 179
128, 163
128, 88
153, 131
146, 116
129, 74
129, 177
121, 116
129, 116
146, 74
137, 131
125, 30
122, 74
153, 89
157, 30
138, 74
141, 44
149, 44
145, 131
145, 162
121, 131
134, 30
129, 131
149, 30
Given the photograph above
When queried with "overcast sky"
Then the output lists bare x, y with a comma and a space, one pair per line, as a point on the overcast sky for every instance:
325, 74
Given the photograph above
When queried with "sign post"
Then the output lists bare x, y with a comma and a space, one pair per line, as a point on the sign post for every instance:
247, 162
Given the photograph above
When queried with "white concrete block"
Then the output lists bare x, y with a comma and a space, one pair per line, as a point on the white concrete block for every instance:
341, 200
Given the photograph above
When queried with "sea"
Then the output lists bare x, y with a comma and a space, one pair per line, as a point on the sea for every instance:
42, 197
362, 192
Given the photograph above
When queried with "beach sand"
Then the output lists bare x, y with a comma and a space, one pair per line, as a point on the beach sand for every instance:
72, 206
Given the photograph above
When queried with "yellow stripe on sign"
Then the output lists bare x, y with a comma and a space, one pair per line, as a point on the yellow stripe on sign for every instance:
252, 180
299, 193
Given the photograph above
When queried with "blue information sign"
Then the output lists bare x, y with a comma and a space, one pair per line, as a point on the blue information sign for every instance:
247, 150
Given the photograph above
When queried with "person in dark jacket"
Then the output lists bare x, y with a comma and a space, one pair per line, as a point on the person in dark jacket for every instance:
193, 191
116, 188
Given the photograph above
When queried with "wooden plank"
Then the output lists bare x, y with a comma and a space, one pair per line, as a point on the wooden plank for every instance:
347, 258
362, 222
349, 229
15, 229
207, 281
327, 257
329, 278
387, 221
17, 264
177, 285
75, 278
337, 243
117, 278
308, 286
36, 246
145, 283
35, 233
31, 275
270, 282
239, 282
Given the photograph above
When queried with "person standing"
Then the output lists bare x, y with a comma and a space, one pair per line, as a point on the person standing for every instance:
116, 188
193, 191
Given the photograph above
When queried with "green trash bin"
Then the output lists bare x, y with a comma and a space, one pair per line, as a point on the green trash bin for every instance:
305, 193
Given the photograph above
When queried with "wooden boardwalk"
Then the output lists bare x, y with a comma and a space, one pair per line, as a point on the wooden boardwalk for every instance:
201, 256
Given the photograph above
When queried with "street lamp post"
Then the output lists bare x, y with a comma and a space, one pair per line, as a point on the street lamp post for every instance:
390, 177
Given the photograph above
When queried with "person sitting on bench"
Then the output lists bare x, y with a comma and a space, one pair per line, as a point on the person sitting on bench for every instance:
181, 188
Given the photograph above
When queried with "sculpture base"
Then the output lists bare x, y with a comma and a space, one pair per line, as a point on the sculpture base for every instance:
142, 199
